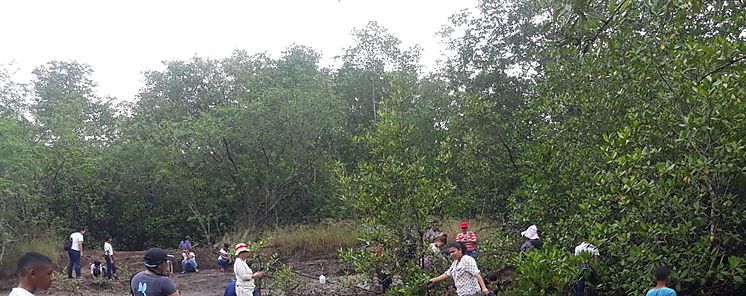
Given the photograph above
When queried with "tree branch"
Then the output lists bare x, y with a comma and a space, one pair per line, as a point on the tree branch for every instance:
723, 66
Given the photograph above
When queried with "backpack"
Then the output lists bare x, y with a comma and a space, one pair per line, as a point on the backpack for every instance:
68, 244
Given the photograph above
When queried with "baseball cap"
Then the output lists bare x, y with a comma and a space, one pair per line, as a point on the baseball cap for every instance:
155, 256
464, 224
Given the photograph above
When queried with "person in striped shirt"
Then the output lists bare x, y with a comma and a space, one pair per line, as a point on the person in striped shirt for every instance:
469, 239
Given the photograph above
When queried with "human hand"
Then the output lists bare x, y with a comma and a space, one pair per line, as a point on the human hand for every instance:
485, 291
429, 284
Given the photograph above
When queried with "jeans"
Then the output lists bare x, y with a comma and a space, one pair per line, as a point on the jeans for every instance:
110, 267
73, 263
189, 263
224, 263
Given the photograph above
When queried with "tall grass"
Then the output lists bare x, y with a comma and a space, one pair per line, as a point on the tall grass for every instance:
49, 246
315, 240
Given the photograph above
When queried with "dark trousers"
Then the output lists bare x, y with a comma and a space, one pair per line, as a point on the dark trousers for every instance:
111, 269
73, 263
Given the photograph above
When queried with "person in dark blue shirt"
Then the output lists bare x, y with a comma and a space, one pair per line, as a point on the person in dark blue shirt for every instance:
230, 290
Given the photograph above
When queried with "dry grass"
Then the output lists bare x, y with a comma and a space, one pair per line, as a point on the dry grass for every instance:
324, 239
47, 246
317, 240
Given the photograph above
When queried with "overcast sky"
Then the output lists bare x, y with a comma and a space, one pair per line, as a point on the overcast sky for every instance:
121, 39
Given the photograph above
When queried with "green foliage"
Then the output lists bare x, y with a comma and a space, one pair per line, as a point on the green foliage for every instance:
396, 192
287, 281
546, 271
619, 123
100, 282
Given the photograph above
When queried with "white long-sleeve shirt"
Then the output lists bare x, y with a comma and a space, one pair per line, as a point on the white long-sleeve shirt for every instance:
244, 274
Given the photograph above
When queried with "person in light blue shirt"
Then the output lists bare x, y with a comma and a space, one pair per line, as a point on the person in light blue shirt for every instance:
662, 280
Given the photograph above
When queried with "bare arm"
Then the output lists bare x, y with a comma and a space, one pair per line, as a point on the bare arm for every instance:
439, 278
481, 284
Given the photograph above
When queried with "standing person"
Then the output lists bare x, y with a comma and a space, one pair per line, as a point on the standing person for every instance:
186, 243
533, 242
35, 274
464, 272
153, 281
662, 280
244, 275
111, 269
224, 258
75, 252
469, 239
189, 262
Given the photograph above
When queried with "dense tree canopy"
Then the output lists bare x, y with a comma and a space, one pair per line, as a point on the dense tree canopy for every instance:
617, 122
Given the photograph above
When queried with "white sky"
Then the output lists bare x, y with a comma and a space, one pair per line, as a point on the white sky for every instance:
121, 39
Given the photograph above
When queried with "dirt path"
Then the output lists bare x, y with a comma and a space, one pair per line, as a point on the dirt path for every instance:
209, 281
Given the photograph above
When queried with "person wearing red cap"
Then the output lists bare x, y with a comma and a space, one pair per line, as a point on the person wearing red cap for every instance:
244, 275
468, 238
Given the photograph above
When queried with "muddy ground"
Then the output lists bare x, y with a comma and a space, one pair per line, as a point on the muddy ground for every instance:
208, 281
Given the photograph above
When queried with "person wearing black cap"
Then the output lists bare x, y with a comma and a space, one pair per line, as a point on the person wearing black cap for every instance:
153, 280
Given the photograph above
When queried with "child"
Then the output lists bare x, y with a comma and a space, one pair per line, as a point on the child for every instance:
35, 271
224, 259
662, 279
189, 263
110, 269
96, 270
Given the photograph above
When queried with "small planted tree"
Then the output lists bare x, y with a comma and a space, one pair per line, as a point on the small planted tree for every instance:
394, 193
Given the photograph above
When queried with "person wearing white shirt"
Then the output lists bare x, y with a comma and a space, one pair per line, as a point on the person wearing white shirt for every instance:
189, 262
111, 269
244, 275
464, 272
224, 258
35, 274
75, 253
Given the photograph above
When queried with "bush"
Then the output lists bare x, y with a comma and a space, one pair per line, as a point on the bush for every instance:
546, 271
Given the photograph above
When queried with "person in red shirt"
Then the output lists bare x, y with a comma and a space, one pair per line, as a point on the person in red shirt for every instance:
469, 239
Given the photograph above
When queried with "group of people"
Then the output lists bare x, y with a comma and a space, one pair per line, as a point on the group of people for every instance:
35, 270
469, 282
463, 253
74, 247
